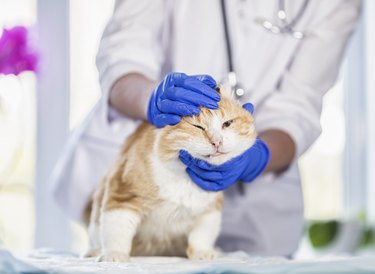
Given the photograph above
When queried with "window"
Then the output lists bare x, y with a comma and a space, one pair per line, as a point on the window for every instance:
321, 166
17, 140
85, 34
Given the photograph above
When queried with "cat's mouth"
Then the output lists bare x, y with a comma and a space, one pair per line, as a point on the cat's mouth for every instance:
216, 154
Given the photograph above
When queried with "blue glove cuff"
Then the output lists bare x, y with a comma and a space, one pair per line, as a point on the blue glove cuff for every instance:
261, 155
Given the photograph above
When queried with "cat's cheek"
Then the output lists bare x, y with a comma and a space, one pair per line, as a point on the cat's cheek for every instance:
238, 146
198, 148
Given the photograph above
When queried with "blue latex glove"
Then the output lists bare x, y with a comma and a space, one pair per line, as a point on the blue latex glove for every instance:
245, 167
181, 95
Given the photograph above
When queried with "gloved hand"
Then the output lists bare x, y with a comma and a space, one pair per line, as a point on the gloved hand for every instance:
245, 167
181, 95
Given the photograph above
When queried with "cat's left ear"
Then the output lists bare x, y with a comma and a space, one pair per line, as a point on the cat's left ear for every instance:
249, 107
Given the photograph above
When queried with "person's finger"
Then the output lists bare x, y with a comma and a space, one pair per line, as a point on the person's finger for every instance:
249, 107
174, 78
199, 87
205, 185
219, 172
186, 158
178, 108
163, 119
190, 161
209, 175
189, 97
207, 79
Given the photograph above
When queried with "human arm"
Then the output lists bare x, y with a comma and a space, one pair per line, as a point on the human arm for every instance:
130, 95
129, 62
130, 56
175, 96
288, 121
282, 149
295, 106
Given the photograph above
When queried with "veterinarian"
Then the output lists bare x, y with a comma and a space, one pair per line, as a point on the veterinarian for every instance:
281, 56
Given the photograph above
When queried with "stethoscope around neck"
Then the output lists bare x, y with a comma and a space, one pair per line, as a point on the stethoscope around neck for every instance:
284, 26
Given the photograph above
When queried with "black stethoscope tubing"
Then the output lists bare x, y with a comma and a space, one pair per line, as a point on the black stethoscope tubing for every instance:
235, 87
227, 39
287, 27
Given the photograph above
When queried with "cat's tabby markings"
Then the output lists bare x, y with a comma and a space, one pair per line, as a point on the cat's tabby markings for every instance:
148, 206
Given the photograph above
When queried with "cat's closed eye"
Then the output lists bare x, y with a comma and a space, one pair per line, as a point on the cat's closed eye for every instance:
227, 123
200, 127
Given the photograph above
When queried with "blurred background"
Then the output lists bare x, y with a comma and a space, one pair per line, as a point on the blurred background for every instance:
337, 172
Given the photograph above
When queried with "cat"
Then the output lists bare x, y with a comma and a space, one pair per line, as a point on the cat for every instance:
147, 205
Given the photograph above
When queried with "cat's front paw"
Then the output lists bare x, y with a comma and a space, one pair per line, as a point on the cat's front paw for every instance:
202, 254
92, 252
115, 257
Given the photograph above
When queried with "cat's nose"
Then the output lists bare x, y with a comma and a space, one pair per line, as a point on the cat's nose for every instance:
216, 142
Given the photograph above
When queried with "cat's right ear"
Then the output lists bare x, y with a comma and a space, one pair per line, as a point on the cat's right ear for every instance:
224, 90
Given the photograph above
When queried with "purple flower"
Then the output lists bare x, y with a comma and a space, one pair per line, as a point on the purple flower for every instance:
16, 55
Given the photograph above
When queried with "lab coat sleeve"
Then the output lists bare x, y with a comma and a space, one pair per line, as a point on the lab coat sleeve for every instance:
295, 107
131, 42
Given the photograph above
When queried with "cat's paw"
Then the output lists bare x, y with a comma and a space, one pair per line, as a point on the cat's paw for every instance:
114, 256
92, 252
202, 254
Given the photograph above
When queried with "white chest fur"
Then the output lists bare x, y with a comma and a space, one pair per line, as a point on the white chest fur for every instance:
176, 187
164, 230
182, 199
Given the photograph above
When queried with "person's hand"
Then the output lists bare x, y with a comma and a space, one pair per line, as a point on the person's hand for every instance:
245, 167
181, 95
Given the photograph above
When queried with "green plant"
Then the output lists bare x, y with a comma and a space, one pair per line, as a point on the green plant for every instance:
322, 233
368, 237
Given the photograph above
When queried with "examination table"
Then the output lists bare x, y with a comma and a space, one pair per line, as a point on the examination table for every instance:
49, 261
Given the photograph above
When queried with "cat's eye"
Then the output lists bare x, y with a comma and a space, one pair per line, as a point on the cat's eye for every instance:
227, 123
200, 127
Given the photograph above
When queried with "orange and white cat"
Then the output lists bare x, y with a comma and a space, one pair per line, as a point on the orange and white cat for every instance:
147, 205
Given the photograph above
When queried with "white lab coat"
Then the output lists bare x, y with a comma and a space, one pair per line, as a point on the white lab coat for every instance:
284, 78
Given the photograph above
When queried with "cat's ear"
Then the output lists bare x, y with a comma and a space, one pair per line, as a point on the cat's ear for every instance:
224, 90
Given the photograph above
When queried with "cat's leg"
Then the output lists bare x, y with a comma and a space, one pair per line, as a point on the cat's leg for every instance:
118, 228
122, 209
202, 238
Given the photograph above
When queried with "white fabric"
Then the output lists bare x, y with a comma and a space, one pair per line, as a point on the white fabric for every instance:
237, 262
285, 78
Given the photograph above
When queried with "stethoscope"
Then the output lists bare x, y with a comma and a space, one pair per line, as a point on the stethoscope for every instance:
284, 26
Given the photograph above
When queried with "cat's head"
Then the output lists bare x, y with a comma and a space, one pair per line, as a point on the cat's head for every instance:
215, 136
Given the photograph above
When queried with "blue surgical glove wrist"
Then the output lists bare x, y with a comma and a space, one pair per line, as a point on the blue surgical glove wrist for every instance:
180, 95
261, 153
